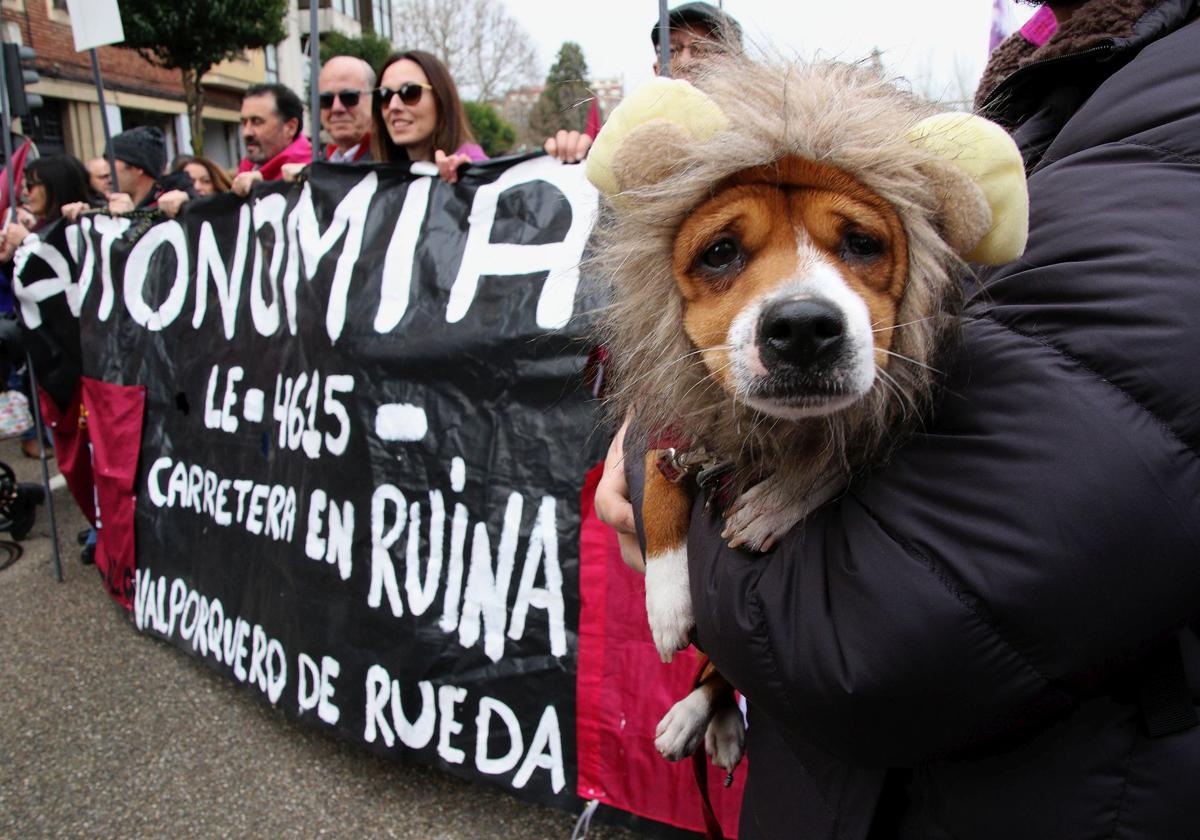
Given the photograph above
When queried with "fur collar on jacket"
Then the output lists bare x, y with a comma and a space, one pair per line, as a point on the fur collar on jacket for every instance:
1093, 23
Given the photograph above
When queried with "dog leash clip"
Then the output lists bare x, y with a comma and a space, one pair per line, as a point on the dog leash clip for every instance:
673, 465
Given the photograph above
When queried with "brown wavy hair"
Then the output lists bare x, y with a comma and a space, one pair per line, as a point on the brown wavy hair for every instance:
220, 180
451, 129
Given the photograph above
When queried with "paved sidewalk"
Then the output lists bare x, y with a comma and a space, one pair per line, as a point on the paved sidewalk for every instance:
108, 733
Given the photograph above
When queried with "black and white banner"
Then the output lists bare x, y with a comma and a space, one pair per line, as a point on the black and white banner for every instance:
365, 432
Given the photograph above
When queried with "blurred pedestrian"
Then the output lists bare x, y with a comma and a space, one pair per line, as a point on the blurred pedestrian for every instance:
100, 177
141, 155
207, 177
699, 34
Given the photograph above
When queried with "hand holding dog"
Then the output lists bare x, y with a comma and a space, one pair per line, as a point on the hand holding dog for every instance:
612, 502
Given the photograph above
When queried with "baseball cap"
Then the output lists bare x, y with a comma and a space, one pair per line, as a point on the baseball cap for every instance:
704, 15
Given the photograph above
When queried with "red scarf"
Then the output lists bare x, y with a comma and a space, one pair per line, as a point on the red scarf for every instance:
362, 150
300, 151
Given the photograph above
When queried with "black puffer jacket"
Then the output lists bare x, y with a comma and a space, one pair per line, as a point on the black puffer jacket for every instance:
977, 640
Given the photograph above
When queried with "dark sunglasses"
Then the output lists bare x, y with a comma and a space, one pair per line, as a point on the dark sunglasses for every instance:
349, 98
409, 93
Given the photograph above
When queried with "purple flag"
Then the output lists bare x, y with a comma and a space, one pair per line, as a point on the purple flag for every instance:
1002, 22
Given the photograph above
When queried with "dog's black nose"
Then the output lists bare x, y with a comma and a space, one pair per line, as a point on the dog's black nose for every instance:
800, 332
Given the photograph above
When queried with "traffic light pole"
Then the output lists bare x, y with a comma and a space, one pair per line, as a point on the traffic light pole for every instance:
108, 150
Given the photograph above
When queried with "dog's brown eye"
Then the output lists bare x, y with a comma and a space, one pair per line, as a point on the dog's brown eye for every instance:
722, 256
860, 246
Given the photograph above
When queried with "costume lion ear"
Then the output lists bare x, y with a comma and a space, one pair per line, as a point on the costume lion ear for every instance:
981, 180
639, 143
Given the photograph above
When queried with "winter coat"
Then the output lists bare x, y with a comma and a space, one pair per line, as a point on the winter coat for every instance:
995, 634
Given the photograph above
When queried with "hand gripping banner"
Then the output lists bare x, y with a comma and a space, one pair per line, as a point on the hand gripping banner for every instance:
338, 439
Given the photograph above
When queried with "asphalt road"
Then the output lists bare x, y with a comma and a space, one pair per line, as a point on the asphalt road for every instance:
108, 733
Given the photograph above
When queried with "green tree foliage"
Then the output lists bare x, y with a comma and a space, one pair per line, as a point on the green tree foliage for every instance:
490, 129
370, 47
192, 35
566, 100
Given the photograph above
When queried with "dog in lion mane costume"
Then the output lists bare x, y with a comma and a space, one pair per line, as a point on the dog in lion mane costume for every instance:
933, 191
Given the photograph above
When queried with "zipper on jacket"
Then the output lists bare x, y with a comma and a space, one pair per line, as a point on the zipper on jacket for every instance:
1030, 69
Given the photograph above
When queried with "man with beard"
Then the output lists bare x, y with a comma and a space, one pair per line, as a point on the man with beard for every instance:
272, 129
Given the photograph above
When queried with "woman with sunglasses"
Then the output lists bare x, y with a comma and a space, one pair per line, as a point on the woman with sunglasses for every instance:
419, 115
50, 183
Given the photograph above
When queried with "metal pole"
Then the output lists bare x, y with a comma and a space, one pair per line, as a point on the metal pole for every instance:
4, 125
664, 40
41, 439
108, 150
314, 95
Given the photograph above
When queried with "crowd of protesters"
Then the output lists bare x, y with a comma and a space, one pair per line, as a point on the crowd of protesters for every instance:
1051, 693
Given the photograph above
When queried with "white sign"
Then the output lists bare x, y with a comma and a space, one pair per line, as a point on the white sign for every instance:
95, 23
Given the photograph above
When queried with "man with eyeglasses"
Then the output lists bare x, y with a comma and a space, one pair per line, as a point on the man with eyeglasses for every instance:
699, 33
345, 86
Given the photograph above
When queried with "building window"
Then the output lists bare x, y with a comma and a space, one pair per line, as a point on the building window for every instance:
381, 13
59, 5
347, 7
271, 57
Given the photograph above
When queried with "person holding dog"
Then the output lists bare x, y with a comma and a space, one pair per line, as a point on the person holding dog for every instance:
996, 634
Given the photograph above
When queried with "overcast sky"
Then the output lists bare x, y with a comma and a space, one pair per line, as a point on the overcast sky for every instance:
939, 45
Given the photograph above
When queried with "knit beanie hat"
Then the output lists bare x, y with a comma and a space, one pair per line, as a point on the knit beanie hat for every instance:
143, 147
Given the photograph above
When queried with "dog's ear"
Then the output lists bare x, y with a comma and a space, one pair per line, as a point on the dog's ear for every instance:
639, 143
980, 180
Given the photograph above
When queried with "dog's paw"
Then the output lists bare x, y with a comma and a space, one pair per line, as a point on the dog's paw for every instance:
761, 516
725, 738
668, 602
680, 731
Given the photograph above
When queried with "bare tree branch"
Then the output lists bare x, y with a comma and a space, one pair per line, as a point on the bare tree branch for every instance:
487, 51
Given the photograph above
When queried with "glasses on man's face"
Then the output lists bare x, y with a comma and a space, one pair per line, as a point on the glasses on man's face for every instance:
349, 98
698, 49
409, 93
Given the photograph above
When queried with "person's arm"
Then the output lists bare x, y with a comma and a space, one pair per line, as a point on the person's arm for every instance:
613, 506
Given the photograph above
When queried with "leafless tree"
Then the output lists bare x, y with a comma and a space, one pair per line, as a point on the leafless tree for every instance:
487, 51
951, 86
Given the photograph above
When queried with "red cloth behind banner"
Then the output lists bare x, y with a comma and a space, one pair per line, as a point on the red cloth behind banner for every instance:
97, 449
71, 449
114, 419
623, 690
